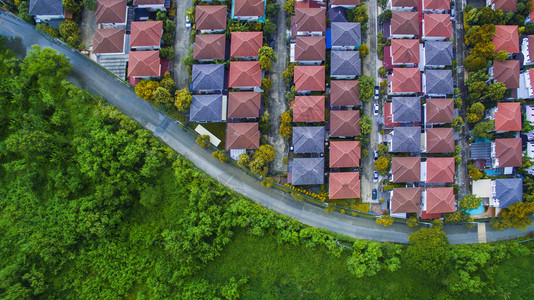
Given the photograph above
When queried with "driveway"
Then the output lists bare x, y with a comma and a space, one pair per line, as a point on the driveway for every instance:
181, 44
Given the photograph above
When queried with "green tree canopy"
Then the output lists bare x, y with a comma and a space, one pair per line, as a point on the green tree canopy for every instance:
428, 252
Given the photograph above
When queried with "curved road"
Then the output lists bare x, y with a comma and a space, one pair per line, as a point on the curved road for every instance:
88, 75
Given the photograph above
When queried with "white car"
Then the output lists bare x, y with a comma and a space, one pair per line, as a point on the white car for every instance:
376, 109
187, 23
375, 176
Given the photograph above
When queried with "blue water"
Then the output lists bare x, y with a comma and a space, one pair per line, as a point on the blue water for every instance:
492, 172
477, 211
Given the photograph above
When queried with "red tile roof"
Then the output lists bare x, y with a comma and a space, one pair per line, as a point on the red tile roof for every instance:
249, 8
244, 74
438, 25
508, 116
437, 4
144, 64
405, 23
405, 51
110, 11
146, 34
439, 110
506, 5
344, 93
344, 2
439, 140
344, 185
344, 122
406, 200
310, 48
345, 154
308, 109
440, 200
531, 46
244, 104
309, 78
440, 169
210, 17
209, 46
109, 41
507, 72
508, 151
406, 169
532, 11
406, 80
310, 19
404, 3
246, 44
506, 38
242, 136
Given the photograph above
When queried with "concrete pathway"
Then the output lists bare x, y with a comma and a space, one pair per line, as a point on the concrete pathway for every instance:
181, 44
88, 28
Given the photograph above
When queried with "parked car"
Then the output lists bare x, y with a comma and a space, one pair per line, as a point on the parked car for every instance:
377, 90
376, 109
375, 194
187, 22
375, 155
375, 176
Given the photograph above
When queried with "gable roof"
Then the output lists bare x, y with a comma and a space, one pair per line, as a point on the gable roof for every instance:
210, 17
439, 82
45, 7
249, 8
404, 3
507, 72
308, 109
406, 200
345, 123
406, 109
406, 80
345, 154
244, 74
406, 169
109, 40
344, 93
207, 77
438, 53
440, 169
404, 23
209, 46
337, 14
144, 64
244, 104
508, 191
440, 200
506, 38
506, 5
437, 25
310, 48
309, 78
406, 139
306, 171
437, 4
206, 108
245, 44
344, 185
242, 136
308, 139
439, 110
405, 51
110, 11
346, 34
508, 116
146, 33
310, 19
346, 63
508, 152
439, 140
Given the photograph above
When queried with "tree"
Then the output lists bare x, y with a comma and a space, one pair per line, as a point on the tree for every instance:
366, 87
385, 220
289, 73
167, 53
514, 216
48, 30
359, 14
474, 63
70, 33
269, 27
458, 102
161, 96
366, 124
475, 173
46, 67
484, 130
428, 252
203, 140
266, 84
244, 159
413, 222
285, 129
145, 88
364, 51
183, 99
382, 165
469, 202
72, 6
501, 55
437, 223
220, 156
385, 15
289, 7
265, 152
495, 91
266, 55
168, 83
457, 123
476, 112
382, 149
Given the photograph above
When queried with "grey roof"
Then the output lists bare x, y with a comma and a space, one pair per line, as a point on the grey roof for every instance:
208, 77
346, 34
406, 139
308, 139
406, 109
46, 7
337, 14
306, 171
439, 82
345, 63
206, 108
438, 53
508, 191
481, 150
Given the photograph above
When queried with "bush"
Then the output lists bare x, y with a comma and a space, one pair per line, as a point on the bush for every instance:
385, 221
220, 156
413, 222
364, 51
203, 140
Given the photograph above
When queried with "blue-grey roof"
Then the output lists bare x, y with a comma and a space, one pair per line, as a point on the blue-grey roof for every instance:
345, 63
406, 139
439, 82
337, 14
508, 191
206, 108
307, 171
208, 77
46, 8
406, 109
308, 139
438, 53
346, 34
481, 151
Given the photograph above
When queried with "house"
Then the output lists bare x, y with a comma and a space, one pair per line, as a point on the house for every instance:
506, 72
345, 185
310, 21
437, 27
244, 105
439, 111
308, 139
405, 200
111, 13
345, 154
151, 5
406, 109
309, 78
481, 153
144, 64
209, 47
206, 108
344, 123
439, 170
526, 82
210, 18
308, 109
404, 24
405, 139
439, 140
405, 52
405, 81
482, 188
309, 50
346, 36
244, 75
306, 171
109, 41
437, 54
438, 83
405, 169
508, 116
207, 78
146, 35
506, 38
345, 64
349, 4
504, 5
527, 50
242, 136
337, 14
507, 153
344, 93
507, 191
246, 45
404, 5
436, 6
46, 10
438, 200
249, 10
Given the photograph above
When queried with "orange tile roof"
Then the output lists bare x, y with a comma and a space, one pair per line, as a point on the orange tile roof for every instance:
344, 93
440, 169
405, 23
438, 25
249, 8
404, 3
209, 46
110, 11
144, 64
531, 45
439, 140
309, 78
210, 17
405, 51
242, 136
509, 152
310, 19
440, 200
406, 80
244, 104
406, 169
506, 5
439, 110
310, 48
244, 74
246, 44
345, 154
109, 41
532, 11
406, 200
308, 109
506, 38
345, 123
507, 72
344, 185
146, 34
508, 116
437, 4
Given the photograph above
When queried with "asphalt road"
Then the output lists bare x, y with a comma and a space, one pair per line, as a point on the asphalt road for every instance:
181, 44
86, 74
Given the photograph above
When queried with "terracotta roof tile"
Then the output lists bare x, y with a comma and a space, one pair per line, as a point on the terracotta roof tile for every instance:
437, 25
405, 51
508, 116
344, 185
242, 136
308, 109
244, 74
406, 200
310, 48
437, 4
439, 111
404, 3
404, 23
310, 19
210, 17
244, 104
249, 8
406, 80
406, 169
344, 123
440, 169
344, 93
507, 72
531, 46
209, 46
245, 44
439, 140
309, 78
509, 152
440, 200
110, 11
109, 41
146, 34
144, 64
506, 5
345, 154
506, 38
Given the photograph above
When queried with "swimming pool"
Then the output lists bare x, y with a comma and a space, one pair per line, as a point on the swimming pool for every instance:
477, 211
